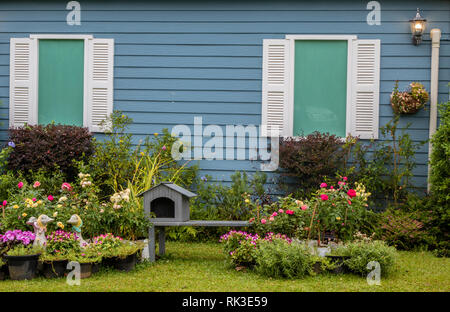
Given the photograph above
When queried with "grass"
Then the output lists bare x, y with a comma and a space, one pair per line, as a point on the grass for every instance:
202, 267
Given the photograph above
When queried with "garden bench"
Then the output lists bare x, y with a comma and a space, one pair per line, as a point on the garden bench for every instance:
161, 225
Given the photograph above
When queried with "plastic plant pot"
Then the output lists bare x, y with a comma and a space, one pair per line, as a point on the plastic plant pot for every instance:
22, 267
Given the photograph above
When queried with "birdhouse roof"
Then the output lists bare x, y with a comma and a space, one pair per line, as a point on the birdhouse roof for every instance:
174, 187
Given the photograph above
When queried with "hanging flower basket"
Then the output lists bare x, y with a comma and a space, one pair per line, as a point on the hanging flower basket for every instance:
411, 101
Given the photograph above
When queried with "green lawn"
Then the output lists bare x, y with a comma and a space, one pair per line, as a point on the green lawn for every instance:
201, 267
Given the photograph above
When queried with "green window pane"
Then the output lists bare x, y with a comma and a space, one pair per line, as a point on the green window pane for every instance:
320, 87
61, 71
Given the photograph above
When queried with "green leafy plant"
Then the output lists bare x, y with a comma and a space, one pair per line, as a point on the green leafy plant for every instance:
280, 259
362, 252
386, 165
440, 155
24, 250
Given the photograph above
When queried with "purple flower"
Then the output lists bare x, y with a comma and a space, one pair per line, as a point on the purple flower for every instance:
11, 144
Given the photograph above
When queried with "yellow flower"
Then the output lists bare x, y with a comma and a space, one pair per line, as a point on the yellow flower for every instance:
142, 154
24, 214
156, 134
338, 218
15, 206
39, 202
247, 200
55, 213
58, 206
59, 224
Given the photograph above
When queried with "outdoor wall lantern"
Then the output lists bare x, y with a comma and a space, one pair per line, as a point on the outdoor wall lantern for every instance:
417, 28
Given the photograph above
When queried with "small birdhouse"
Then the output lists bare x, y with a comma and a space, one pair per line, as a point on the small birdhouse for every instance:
168, 202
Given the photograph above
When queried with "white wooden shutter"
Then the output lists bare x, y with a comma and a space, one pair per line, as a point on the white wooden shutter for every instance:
275, 86
100, 69
365, 88
22, 86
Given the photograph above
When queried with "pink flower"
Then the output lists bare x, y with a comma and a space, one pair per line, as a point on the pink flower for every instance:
304, 207
344, 178
5, 203
271, 218
50, 197
274, 214
263, 221
341, 183
66, 186
351, 193
33, 199
324, 197
164, 148
280, 210
20, 185
323, 185
36, 184
349, 202
290, 212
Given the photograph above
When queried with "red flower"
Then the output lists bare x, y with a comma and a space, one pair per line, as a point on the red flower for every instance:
324, 197
351, 193
323, 185
349, 202
290, 212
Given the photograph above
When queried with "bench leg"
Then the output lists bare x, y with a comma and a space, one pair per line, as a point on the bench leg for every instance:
151, 244
162, 240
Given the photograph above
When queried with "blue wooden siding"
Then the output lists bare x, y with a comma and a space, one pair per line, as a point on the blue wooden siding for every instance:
177, 60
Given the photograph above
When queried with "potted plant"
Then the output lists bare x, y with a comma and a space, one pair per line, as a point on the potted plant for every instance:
21, 256
410, 101
59, 245
126, 255
104, 245
86, 258
23, 261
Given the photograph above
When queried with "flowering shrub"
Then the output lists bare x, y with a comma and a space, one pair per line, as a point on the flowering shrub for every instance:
106, 242
339, 209
240, 247
17, 242
16, 237
409, 102
62, 243
32, 200
287, 216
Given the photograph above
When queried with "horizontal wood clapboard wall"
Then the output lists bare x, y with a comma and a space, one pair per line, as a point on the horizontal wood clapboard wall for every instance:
178, 59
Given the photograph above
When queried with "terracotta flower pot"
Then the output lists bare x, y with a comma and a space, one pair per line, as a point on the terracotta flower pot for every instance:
85, 270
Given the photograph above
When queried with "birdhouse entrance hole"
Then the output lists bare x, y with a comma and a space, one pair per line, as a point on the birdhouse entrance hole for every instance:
163, 207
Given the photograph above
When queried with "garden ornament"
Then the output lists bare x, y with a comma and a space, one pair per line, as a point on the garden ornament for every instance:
40, 227
77, 223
